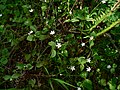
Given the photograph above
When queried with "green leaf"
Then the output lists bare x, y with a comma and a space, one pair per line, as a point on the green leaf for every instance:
20, 65
27, 56
63, 82
29, 66
52, 44
74, 20
7, 77
3, 60
32, 82
16, 75
33, 28
65, 52
40, 64
68, 20
118, 87
42, 37
87, 84
91, 42
30, 38
53, 53
84, 74
102, 82
82, 60
50, 82
82, 67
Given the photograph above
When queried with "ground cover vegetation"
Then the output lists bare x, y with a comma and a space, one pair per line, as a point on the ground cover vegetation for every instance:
59, 44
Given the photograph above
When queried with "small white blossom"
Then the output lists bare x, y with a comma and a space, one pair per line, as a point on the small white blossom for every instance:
108, 66
88, 69
70, 12
58, 45
72, 68
30, 32
0, 15
91, 38
52, 32
89, 60
83, 44
45, 0
79, 88
31, 10
61, 74
103, 1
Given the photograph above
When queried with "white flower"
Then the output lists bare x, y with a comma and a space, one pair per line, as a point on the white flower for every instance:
30, 32
45, 0
0, 15
61, 74
89, 60
31, 10
91, 38
108, 66
52, 32
70, 12
88, 69
58, 45
72, 68
103, 1
83, 44
78, 88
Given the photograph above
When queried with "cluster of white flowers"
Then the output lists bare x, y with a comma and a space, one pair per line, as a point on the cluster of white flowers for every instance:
52, 32
88, 69
82, 44
31, 10
0, 15
30, 32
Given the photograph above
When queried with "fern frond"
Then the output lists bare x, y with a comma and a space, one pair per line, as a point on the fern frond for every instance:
100, 18
108, 28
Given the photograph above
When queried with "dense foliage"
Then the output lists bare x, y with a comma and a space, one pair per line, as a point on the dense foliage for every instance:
59, 44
